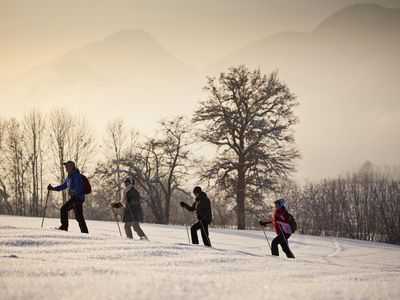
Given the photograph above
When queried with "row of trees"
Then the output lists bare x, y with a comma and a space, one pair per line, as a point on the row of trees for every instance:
363, 205
31, 153
247, 118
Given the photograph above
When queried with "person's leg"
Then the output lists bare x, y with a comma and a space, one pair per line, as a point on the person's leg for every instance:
138, 230
274, 245
64, 214
193, 231
204, 234
128, 230
78, 209
285, 246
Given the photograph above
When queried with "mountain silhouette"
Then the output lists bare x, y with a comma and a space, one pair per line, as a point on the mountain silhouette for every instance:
126, 71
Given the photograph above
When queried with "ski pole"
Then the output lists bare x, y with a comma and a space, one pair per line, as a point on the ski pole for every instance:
116, 219
187, 230
201, 223
45, 206
262, 227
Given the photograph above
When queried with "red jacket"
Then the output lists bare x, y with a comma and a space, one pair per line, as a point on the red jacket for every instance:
280, 215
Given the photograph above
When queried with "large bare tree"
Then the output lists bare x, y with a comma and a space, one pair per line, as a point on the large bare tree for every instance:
249, 117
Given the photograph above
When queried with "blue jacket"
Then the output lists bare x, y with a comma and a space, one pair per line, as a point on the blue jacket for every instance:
74, 184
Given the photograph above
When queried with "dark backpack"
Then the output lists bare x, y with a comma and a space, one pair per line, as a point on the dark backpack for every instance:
292, 223
87, 188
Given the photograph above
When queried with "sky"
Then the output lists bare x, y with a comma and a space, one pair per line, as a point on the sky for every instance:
44, 34
43, 263
198, 32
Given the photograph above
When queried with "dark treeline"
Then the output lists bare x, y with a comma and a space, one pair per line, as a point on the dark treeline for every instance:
364, 205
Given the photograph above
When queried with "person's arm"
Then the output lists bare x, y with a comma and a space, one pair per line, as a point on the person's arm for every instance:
188, 207
265, 223
60, 187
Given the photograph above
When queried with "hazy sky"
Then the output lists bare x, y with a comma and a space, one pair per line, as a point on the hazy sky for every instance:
33, 32
198, 32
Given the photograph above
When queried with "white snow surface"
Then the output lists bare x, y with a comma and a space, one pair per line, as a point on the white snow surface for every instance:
44, 263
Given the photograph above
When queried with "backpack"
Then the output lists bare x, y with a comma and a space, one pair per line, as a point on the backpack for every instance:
292, 223
87, 188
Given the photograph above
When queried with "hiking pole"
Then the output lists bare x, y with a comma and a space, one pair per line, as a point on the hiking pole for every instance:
205, 233
187, 230
262, 227
45, 206
116, 219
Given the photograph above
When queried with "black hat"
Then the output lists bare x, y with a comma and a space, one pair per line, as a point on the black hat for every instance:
197, 190
70, 162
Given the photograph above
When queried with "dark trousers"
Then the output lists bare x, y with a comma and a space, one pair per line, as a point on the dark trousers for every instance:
76, 205
203, 226
279, 240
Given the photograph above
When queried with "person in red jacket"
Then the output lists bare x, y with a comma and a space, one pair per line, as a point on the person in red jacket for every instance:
280, 220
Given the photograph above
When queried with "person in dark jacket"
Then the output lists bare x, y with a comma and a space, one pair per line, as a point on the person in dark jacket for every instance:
202, 205
133, 213
74, 185
281, 222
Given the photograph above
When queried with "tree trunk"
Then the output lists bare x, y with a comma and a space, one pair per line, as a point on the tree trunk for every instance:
240, 198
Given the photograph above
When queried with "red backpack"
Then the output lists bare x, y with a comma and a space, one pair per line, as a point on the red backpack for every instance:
87, 188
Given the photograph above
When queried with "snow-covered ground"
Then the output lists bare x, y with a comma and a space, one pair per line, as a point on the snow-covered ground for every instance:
45, 263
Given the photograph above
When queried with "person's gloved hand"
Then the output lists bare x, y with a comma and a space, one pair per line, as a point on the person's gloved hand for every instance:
262, 223
116, 205
49, 187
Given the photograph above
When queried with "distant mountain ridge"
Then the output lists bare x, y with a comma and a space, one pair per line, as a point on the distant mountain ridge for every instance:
360, 17
125, 70
345, 73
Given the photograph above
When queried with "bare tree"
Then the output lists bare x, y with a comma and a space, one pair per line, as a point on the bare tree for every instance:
5, 206
70, 138
249, 118
160, 165
17, 165
34, 126
115, 144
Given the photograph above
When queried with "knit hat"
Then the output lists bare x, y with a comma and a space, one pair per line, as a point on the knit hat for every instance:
197, 190
280, 201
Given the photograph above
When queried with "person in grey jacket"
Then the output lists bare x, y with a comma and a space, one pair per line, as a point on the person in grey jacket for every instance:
202, 205
133, 213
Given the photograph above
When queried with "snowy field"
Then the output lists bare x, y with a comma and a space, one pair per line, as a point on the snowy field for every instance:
45, 263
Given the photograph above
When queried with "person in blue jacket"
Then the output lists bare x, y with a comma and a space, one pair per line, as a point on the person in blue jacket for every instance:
74, 185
